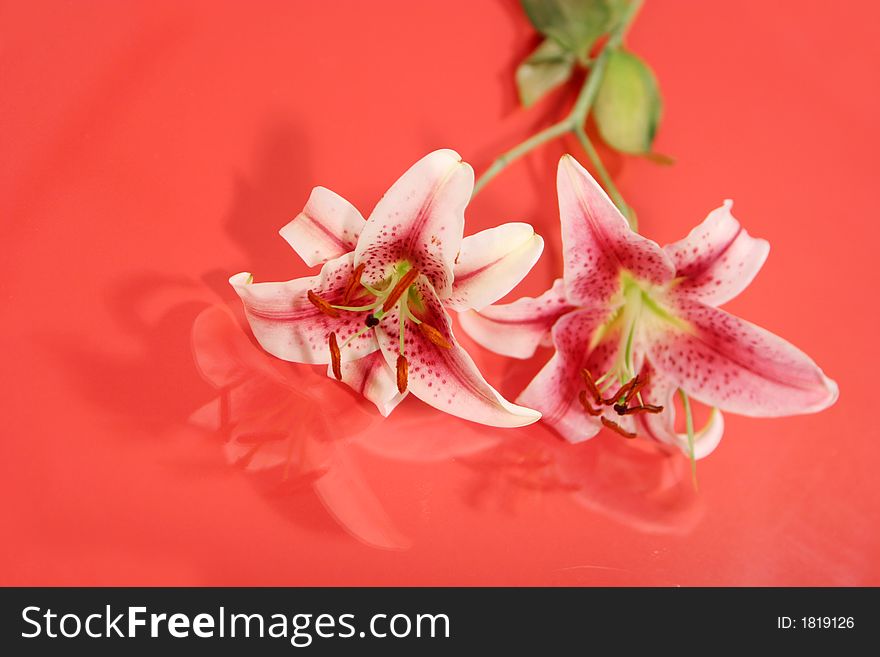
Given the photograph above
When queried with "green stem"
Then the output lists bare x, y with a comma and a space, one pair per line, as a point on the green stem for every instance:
575, 120
605, 177
689, 426
554, 131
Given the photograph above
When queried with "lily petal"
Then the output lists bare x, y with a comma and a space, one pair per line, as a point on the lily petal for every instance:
288, 326
725, 361
517, 329
555, 390
492, 263
446, 379
421, 220
371, 377
718, 259
598, 244
327, 228
661, 426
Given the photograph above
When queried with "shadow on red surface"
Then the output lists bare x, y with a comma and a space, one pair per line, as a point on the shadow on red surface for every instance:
290, 427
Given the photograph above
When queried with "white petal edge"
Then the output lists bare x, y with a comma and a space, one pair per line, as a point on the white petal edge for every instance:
328, 227
517, 329
491, 263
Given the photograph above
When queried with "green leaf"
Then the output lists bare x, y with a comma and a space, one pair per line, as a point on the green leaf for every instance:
628, 105
544, 70
574, 24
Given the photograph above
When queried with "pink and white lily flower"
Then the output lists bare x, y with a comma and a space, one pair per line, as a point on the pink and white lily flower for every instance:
376, 313
632, 323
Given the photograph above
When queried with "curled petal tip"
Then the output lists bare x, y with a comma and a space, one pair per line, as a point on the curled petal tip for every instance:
453, 153
833, 394
445, 152
525, 415
240, 279
705, 440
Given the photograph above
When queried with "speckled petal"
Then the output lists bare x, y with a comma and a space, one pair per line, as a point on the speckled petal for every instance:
554, 391
421, 220
597, 241
661, 426
288, 326
517, 329
371, 377
327, 228
446, 379
718, 259
492, 263
724, 361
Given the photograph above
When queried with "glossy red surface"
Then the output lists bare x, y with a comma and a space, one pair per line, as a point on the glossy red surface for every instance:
150, 149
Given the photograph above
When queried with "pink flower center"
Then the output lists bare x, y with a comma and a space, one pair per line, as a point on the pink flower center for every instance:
375, 303
629, 393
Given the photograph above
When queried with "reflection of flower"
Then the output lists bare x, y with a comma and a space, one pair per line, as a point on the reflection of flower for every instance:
644, 488
275, 428
378, 304
632, 322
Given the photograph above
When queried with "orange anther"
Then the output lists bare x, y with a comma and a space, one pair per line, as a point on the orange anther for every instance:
353, 283
335, 357
435, 336
611, 424
401, 287
322, 305
402, 372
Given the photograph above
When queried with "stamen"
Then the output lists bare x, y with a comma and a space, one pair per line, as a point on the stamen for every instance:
435, 336
402, 371
400, 288
623, 390
611, 424
371, 321
335, 357
591, 386
643, 408
641, 383
586, 404
689, 424
353, 283
322, 305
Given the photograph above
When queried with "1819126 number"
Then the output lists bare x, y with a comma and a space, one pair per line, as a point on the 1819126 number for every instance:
827, 622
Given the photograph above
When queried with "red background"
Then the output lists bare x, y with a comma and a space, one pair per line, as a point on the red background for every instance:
151, 149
